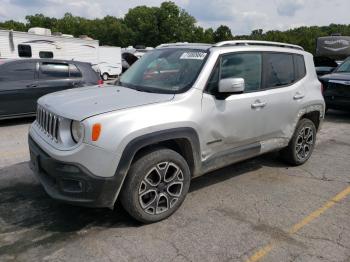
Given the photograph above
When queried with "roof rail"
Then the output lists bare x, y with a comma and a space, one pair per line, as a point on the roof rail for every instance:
182, 44
255, 42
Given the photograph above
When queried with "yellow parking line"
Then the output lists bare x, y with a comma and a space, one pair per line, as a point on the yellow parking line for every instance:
295, 228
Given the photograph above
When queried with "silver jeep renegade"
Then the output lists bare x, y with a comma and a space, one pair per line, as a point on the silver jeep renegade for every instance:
179, 112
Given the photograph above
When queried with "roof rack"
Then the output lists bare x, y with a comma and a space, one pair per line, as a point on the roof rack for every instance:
255, 42
183, 44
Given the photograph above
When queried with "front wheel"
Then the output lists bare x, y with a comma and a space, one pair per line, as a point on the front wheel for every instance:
105, 76
156, 185
302, 143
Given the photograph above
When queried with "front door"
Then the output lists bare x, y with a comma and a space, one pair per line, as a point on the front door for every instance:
237, 120
17, 80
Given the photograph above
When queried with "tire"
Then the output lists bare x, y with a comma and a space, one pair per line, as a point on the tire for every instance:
105, 76
302, 143
156, 185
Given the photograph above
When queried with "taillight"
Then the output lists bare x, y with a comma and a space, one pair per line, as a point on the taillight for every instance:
100, 82
322, 88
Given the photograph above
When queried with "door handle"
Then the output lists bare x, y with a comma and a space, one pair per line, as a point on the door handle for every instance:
258, 104
298, 96
31, 85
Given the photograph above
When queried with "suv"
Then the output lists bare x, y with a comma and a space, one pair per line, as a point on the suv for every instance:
23, 81
181, 111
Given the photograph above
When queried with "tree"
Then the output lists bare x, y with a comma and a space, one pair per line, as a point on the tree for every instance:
222, 33
143, 22
152, 26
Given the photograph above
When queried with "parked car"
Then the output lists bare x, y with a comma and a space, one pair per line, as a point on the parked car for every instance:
324, 65
181, 111
23, 81
337, 87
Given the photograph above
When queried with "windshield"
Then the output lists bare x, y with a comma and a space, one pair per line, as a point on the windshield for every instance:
165, 71
344, 67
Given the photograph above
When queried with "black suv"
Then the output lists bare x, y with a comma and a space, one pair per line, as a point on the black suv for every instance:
337, 87
23, 81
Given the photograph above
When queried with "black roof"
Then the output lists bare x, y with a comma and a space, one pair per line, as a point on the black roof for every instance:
7, 60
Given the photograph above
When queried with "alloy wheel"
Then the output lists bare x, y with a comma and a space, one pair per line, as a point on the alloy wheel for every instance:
304, 143
161, 188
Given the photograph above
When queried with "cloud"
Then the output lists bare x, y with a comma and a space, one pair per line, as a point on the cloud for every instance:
240, 16
289, 7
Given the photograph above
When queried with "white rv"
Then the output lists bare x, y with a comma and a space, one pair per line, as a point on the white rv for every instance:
40, 43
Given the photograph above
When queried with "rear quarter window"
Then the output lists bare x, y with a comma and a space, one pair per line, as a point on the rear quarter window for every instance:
74, 71
300, 69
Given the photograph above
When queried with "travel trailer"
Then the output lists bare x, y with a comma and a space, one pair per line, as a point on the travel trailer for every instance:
335, 46
41, 43
110, 61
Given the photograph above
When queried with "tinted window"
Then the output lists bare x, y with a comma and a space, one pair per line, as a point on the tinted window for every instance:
74, 71
300, 69
24, 51
53, 71
45, 54
279, 70
344, 67
17, 71
246, 66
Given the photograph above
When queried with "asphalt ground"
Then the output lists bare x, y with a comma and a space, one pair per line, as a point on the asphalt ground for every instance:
257, 210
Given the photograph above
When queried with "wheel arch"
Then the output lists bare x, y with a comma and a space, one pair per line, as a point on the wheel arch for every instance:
315, 113
184, 141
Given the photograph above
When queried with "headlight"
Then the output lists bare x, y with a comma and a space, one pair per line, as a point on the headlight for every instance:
77, 130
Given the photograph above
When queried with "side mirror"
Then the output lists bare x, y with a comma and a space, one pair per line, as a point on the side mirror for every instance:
231, 85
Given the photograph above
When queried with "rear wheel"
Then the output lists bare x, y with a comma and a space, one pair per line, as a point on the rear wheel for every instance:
156, 185
302, 143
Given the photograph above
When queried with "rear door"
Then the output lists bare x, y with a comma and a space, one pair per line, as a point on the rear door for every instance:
52, 77
17, 83
284, 93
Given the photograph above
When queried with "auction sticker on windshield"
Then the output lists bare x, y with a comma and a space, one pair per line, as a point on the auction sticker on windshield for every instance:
193, 55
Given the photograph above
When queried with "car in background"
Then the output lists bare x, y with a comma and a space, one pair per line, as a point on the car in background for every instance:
24, 81
337, 87
324, 65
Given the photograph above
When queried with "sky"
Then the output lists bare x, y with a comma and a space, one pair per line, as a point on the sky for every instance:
242, 16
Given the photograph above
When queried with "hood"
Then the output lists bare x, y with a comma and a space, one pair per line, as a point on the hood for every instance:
82, 103
336, 76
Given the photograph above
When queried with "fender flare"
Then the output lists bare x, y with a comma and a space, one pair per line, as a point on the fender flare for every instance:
152, 138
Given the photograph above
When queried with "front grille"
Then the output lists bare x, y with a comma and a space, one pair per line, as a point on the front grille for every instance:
48, 122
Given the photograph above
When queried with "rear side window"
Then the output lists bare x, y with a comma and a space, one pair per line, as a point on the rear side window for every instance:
279, 70
74, 71
17, 71
300, 69
53, 71
45, 54
24, 51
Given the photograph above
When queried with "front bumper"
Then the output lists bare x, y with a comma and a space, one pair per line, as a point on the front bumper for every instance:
71, 182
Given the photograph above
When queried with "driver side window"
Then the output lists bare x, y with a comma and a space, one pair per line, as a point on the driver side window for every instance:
240, 65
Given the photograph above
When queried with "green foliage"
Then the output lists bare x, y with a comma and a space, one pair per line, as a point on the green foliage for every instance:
151, 26
222, 33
